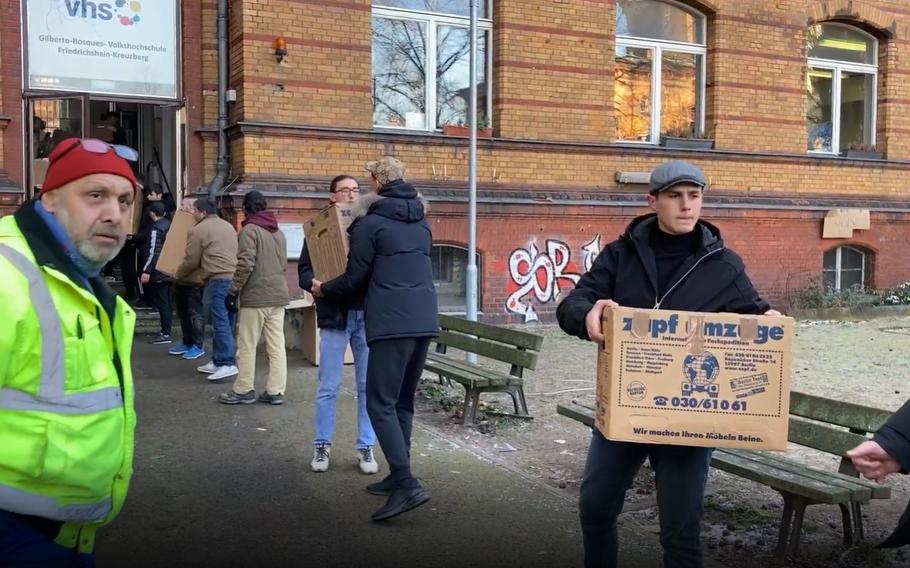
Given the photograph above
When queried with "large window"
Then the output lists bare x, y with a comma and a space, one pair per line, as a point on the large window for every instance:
847, 267
421, 63
841, 87
450, 266
659, 73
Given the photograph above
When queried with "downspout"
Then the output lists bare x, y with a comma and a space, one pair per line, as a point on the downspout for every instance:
223, 160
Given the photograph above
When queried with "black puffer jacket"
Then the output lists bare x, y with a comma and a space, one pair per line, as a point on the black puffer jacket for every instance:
389, 259
329, 314
150, 250
713, 279
894, 438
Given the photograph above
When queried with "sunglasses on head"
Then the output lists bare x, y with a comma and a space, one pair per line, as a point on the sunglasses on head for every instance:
96, 146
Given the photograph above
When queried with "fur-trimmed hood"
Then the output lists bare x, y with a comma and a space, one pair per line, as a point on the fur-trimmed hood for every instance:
397, 200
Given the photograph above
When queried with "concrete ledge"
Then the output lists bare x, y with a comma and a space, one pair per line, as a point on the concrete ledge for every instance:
845, 314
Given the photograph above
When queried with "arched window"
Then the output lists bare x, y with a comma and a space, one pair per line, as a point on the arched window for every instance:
847, 267
450, 266
841, 86
659, 73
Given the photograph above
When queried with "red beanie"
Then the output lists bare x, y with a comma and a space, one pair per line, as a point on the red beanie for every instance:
69, 161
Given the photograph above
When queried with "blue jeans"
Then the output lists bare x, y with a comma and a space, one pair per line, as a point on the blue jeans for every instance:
23, 545
222, 321
332, 346
681, 473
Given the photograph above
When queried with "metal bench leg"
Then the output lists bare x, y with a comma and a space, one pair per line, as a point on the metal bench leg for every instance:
521, 400
471, 399
799, 507
859, 531
784, 532
848, 523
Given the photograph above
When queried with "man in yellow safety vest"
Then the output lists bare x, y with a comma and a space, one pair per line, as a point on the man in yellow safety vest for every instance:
66, 393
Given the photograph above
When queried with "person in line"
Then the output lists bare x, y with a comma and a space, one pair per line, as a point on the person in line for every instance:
340, 324
160, 286
211, 246
390, 258
66, 398
259, 290
669, 259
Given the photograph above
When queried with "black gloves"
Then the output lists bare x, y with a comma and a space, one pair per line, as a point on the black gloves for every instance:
230, 302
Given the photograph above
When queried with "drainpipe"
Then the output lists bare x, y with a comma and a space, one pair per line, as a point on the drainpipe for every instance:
223, 161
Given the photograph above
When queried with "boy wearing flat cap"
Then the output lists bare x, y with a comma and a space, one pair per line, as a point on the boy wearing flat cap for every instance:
669, 259
66, 391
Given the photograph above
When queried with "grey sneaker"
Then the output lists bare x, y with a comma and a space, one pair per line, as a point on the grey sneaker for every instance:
368, 465
271, 398
160, 339
320, 461
231, 397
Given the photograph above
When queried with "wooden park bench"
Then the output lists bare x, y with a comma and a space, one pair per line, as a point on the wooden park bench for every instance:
830, 426
517, 348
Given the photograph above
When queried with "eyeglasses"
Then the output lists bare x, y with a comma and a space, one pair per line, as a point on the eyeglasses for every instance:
353, 191
96, 146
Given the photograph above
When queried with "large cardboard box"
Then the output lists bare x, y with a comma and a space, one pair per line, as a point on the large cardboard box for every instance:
310, 338
136, 213
301, 331
174, 248
327, 242
694, 379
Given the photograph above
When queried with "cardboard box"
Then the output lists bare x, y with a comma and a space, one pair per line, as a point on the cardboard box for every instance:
695, 379
310, 339
136, 212
327, 242
174, 248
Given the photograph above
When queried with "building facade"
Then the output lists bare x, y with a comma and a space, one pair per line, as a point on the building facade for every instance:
798, 111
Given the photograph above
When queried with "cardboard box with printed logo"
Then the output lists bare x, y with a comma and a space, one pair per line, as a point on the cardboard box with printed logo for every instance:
327, 242
694, 379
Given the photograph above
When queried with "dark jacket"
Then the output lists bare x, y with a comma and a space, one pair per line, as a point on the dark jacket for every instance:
150, 250
330, 314
894, 438
389, 259
626, 272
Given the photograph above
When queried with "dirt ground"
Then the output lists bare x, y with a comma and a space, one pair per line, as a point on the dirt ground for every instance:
866, 362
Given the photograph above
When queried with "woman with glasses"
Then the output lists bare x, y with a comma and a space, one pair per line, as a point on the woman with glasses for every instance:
340, 324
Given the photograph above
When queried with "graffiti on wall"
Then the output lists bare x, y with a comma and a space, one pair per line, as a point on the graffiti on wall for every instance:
542, 274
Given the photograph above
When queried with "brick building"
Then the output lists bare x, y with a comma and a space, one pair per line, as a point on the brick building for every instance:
795, 109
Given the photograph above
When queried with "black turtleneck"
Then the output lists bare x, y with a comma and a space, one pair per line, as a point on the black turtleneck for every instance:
670, 251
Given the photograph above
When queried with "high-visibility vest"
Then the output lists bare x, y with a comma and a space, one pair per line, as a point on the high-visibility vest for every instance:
66, 413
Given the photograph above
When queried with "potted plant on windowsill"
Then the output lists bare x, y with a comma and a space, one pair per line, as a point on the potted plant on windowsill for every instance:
686, 138
865, 151
484, 130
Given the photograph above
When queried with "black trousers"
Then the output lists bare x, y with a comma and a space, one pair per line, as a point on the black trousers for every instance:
129, 260
160, 294
189, 310
393, 371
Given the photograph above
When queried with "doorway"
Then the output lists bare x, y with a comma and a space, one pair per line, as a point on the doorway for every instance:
154, 130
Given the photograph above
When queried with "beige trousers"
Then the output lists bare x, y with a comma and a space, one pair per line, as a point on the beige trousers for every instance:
251, 324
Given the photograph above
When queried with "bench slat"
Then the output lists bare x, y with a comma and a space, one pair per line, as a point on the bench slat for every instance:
836, 412
497, 351
454, 373
514, 337
824, 438
470, 368
780, 479
576, 412
860, 492
877, 490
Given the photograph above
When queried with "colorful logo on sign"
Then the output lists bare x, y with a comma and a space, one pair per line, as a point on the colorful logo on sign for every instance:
124, 11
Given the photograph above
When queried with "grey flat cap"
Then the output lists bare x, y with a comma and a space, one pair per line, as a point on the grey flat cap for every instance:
673, 173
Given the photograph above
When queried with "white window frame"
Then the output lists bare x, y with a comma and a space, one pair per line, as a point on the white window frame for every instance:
433, 20
838, 266
837, 68
658, 47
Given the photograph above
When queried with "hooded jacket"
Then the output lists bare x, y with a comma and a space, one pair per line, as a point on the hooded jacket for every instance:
151, 250
894, 438
712, 279
329, 314
389, 260
259, 279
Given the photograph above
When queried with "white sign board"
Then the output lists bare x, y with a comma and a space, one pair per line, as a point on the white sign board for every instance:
115, 47
293, 234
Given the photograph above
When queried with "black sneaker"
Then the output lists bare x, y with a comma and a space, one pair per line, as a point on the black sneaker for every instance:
401, 501
271, 398
160, 339
384, 487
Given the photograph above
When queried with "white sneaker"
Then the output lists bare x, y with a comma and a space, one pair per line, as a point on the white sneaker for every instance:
208, 368
368, 464
320, 461
223, 372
